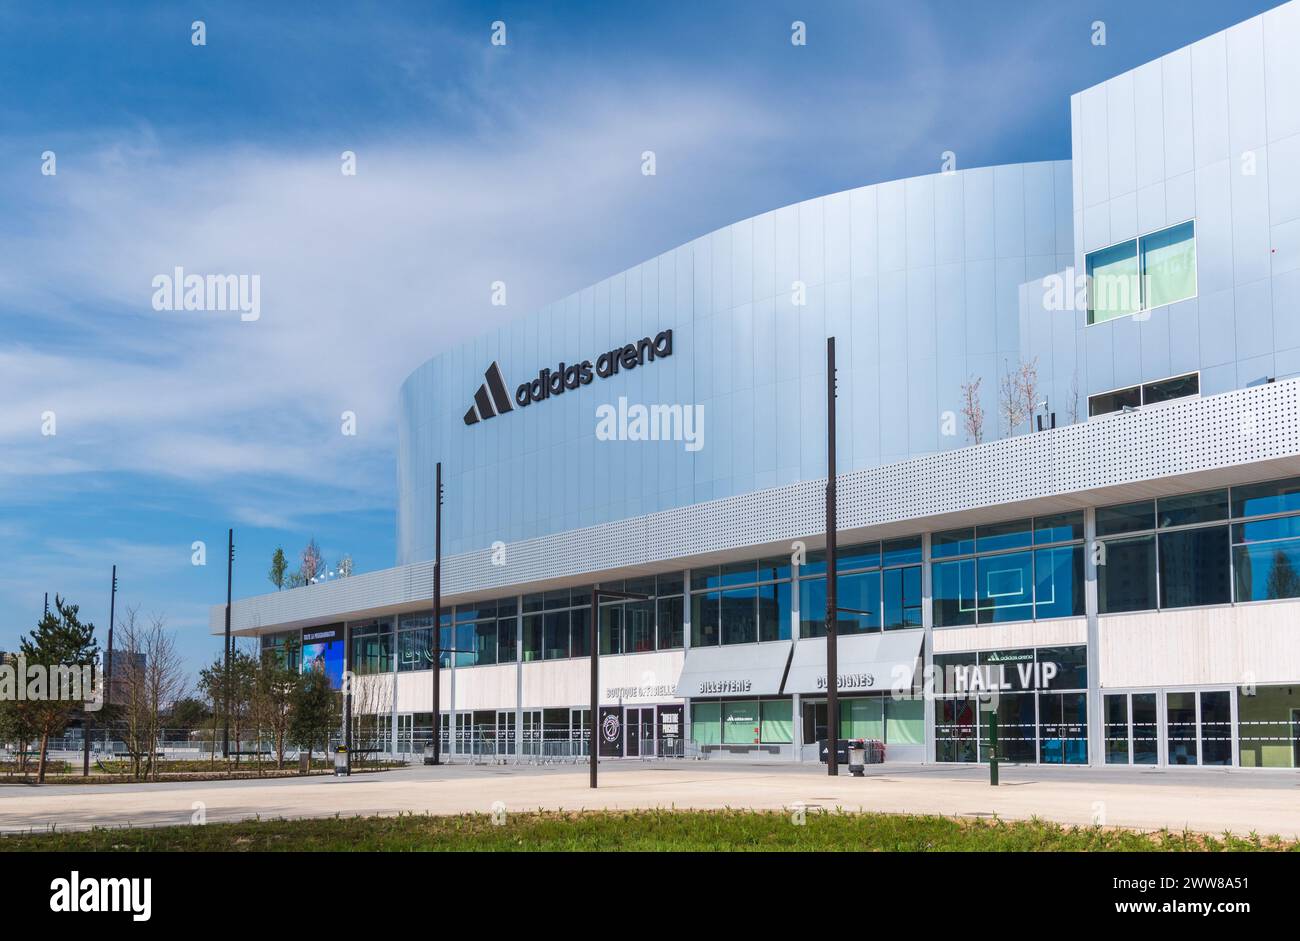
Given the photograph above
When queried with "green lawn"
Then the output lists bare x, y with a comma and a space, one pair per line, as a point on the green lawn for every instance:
633, 830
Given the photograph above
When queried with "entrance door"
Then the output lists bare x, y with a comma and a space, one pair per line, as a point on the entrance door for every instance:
405, 733
531, 733
1199, 727
1131, 728
506, 732
580, 731
639, 731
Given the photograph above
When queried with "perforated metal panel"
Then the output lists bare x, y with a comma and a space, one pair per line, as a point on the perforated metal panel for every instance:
1238, 428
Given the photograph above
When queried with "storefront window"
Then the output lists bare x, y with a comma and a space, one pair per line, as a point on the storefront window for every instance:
1268, 727
777, 726
740, 722
904, 722
862, 718
706, 723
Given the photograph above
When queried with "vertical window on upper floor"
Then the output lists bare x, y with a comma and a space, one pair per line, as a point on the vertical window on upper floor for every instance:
1139, 274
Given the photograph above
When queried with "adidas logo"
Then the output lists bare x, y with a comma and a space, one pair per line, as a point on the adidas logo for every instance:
491, 397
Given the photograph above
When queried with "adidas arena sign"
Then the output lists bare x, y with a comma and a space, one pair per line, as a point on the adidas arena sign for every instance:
492, 399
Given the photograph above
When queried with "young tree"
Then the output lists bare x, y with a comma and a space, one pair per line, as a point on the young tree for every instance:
1010, 401
279, 565
16, 727
212, 689
243, 687
972, 409
345, 566
1074, 398
277, 687
59, 640
1027, 382
311, 563
187, 714
316, 712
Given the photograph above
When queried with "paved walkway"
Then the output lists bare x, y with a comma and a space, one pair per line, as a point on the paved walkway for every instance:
1200, 800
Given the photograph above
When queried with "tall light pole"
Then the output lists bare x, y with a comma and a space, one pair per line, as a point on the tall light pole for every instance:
108, 657
230, 570
593, 736
437, 615
832, 577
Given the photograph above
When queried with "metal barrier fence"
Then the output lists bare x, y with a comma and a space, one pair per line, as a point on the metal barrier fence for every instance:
500, 743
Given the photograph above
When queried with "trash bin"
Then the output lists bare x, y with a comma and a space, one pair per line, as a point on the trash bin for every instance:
841, 750
875, 752
857, 756
341, 761
304, 762
428, 754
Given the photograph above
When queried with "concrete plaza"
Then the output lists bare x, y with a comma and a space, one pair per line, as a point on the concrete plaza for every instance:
1197, 799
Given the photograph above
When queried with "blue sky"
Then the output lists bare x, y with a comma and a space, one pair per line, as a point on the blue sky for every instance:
475, 164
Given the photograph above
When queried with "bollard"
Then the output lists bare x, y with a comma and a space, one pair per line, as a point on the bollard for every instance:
993, 749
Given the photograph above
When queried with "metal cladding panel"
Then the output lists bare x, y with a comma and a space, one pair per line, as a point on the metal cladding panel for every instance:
918, 279
1234, 429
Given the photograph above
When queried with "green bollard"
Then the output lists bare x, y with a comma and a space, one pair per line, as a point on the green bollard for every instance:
993, 749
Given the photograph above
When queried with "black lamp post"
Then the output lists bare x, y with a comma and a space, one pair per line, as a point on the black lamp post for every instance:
832, 576
230, 571
437, 617
593, 735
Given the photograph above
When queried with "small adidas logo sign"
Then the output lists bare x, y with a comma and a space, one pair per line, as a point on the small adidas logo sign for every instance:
491, 398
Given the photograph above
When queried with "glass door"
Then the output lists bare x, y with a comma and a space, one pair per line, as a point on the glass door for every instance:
531, 733
1131, 728
639, 732
405, 733
579, 722
1199, 727
506, 732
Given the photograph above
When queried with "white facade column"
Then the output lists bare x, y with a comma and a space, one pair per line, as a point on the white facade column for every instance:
1091, 607
686, 646
519, 675
928, 680
392, 713
796, 716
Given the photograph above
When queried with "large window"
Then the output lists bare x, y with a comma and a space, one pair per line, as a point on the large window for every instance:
1212, 547
372, 646
741, 603
879, 588
1166, 553
285, 647
557, 624
1013, 571
1150, 271
1266, 548
415, 641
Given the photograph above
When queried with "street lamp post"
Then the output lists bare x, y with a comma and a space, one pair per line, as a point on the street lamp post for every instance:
225, 680
832, 576
593, 730
437, 616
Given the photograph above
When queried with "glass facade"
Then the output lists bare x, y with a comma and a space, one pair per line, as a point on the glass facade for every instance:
879, 588
1014, 571
1039, 696
1207, 548
741, 603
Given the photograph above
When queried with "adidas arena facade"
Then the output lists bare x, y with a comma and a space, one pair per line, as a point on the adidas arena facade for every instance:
1116, 575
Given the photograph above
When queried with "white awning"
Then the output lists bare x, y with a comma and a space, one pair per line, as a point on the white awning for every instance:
865, 662
734, 670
